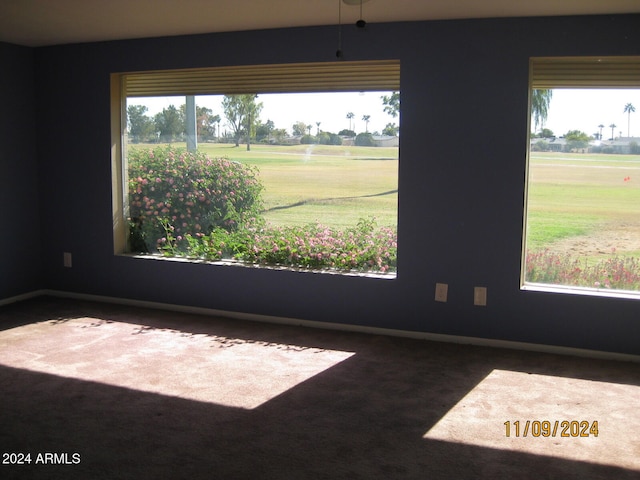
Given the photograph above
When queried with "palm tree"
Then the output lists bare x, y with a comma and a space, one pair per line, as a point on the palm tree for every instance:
600, 127
540, 100
629, 109
350, 115
365, 119
318, 128
612, 126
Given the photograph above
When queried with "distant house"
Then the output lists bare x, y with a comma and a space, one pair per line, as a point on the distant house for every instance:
348, 141
551, 144
621, 145
292, 140
386, 140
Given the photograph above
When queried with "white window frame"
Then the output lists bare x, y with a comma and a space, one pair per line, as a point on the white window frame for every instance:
379, 75
606, 72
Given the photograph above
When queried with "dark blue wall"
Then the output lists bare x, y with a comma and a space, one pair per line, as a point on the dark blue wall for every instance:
20, 219
462, 171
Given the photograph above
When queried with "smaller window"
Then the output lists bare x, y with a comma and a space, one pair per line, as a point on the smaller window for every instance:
582, 229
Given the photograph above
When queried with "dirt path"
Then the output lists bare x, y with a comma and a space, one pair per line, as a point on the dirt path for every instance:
619, 237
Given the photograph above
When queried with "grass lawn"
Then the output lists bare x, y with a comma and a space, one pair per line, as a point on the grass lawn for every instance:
573, 195
330, 184
583, 221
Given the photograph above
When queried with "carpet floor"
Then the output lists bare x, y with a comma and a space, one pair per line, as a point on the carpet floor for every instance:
101, 391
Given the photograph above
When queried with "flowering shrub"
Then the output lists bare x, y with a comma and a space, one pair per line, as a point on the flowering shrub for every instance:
187, 204
186, 193
364, 248
618, 273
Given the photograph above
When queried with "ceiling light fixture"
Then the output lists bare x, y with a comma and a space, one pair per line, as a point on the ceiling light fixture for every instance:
360, 23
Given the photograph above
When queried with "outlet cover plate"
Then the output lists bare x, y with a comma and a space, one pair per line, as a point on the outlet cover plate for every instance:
441, 292
480, 296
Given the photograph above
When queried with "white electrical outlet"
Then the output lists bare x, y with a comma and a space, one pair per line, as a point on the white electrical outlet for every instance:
480, 296
67, 261
441, 292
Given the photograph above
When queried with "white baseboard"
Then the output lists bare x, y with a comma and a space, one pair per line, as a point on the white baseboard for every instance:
20, 298
436, 337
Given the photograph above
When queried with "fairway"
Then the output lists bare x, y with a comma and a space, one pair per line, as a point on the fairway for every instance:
329, 184
584, 204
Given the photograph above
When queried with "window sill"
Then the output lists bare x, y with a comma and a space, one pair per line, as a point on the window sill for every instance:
237, 263
592, 292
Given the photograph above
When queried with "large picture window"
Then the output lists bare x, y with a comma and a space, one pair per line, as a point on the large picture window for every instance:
292, 166
582, 229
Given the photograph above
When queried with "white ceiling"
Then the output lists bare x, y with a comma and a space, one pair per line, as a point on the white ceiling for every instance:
52, 22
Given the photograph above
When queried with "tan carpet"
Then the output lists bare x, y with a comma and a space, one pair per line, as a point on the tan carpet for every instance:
117, 392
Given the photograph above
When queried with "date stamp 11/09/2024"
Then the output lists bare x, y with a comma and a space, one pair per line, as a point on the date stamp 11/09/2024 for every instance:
516, 428
551, 428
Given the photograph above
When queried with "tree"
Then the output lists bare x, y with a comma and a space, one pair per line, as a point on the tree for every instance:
278, 135
576, 140
347, 133
169, 123
299, 128
629, 109
391, 104
327, 138
612, 126
318, 128
540, 100
600, 127
141, 128
364, 140
391, 129
242, 112
205, 120
365, 119
546, 133
350, 115
263, 131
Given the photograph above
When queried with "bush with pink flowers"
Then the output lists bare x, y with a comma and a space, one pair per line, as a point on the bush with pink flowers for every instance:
615, 273
189, 205
363, 248
189, 192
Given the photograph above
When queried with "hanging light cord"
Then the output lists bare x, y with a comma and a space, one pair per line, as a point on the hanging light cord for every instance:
339, 51
361, 23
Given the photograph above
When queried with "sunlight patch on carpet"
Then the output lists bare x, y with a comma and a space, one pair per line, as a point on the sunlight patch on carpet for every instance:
235, 372
507, 396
